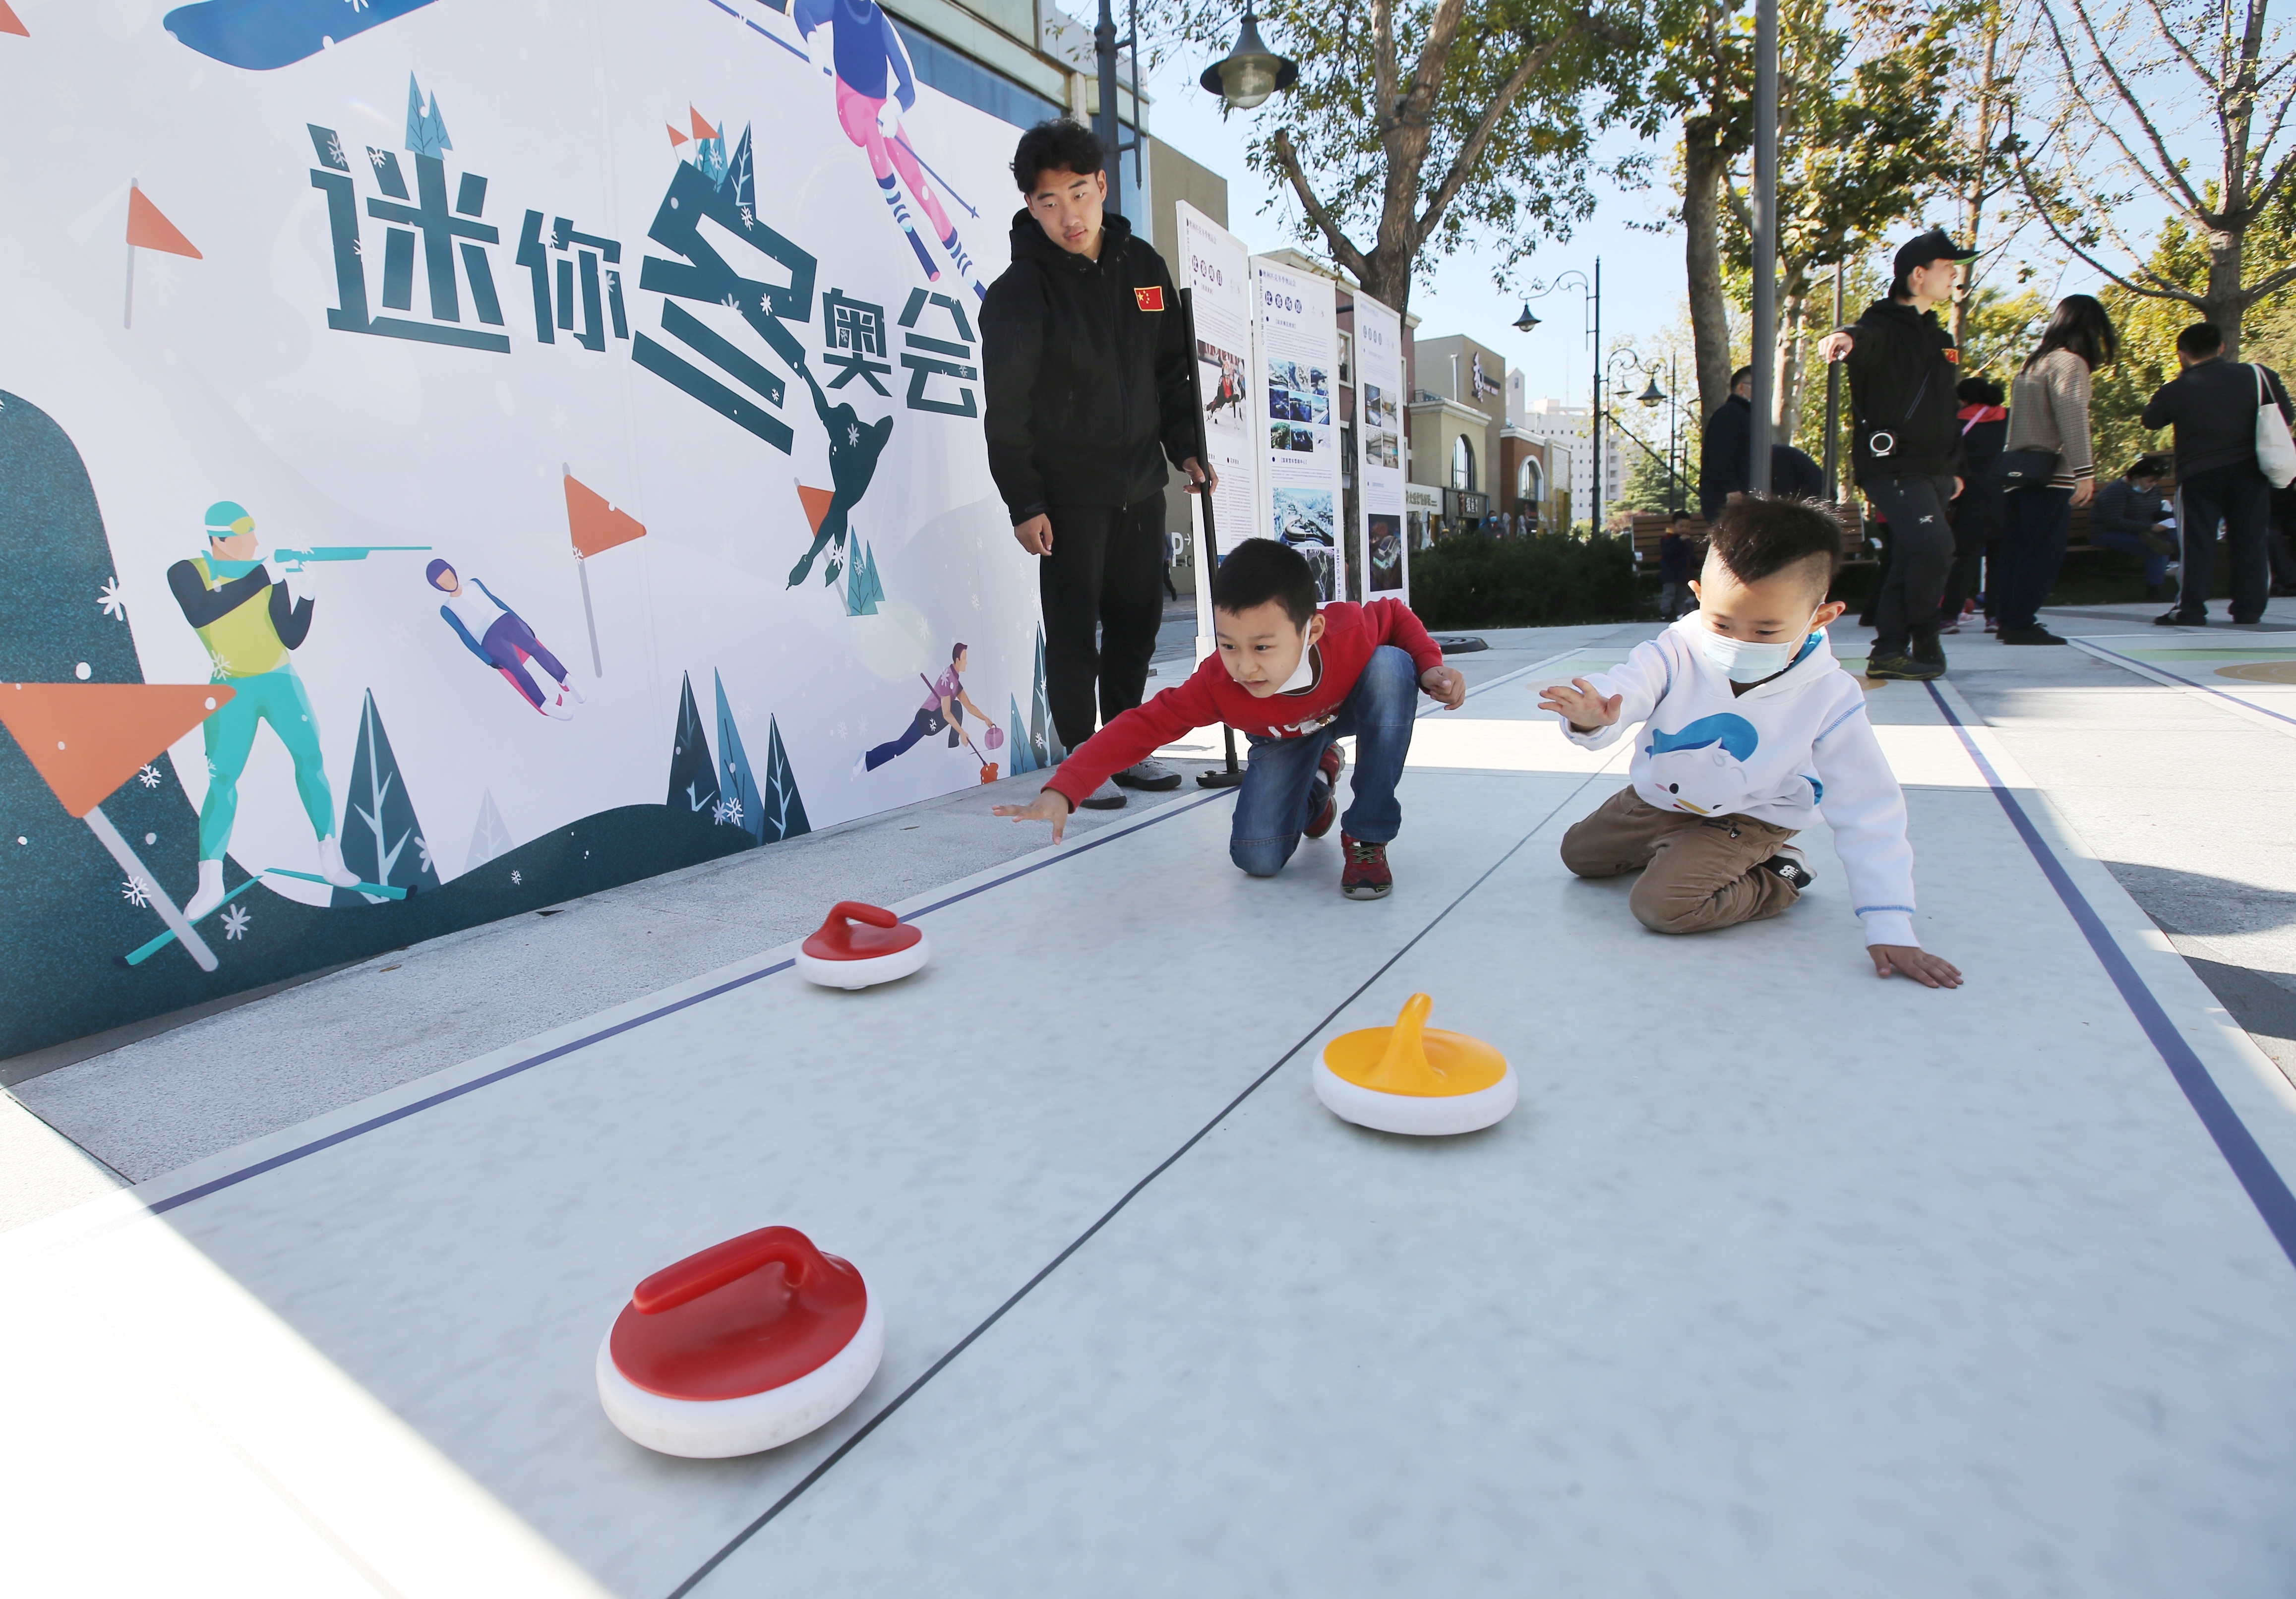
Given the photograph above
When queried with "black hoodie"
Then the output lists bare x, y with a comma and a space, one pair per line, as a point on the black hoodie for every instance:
1902, 373
1085, 366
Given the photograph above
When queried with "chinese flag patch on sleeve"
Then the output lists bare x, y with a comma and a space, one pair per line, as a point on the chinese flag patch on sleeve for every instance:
1951, 356
1150, 299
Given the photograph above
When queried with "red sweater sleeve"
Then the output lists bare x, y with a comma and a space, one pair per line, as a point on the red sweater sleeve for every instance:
1138, 733
1393, 622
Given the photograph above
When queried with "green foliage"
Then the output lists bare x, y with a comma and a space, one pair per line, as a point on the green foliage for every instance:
1647, 487
1546, 580
1394, 175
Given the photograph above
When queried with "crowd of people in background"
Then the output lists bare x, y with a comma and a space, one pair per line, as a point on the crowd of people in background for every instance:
1969, 488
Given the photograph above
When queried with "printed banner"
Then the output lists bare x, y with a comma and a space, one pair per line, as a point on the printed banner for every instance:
1219, 270
1297, 314
1386, 562
550, 441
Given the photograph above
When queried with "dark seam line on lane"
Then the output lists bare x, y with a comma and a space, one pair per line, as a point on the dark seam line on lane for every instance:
1085, 1237
2266, 1189
231, 1179
2184, 682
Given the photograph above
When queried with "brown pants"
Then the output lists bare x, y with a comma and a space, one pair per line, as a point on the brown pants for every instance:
1699, 873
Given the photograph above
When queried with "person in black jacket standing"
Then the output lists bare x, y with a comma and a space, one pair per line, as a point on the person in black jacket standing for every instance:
1902, 366
1084, 358
1726, 447
1980, 513
2213, 406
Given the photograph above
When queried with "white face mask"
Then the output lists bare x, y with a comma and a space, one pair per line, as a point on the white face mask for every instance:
1744, 662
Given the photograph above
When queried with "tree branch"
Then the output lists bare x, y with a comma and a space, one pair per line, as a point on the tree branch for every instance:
1463, 164
1343, 248
2170, 167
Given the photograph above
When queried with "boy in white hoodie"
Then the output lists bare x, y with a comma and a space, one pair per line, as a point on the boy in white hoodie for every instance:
1753, 726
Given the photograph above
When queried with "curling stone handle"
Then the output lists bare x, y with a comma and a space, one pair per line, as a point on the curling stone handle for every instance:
728, 1262
853, 910
1404, 1047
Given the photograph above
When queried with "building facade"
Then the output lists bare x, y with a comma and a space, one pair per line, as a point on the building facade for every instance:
1550, 421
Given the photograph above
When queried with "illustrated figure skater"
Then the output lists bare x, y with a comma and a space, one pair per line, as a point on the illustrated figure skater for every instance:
944, 707
875, 83
499, 637
249, 625
854, 446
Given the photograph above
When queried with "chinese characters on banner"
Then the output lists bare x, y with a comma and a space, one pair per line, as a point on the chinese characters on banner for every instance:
1385, 562
1297, 314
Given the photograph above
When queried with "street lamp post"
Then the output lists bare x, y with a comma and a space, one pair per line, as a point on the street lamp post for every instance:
1766, 240
1106, 47
1592, 291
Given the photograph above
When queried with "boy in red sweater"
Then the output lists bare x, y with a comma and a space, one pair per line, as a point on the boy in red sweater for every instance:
1294, 680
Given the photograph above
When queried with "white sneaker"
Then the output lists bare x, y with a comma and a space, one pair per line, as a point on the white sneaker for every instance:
331, 864
209, 893
1150, 774
1106, 797
557, 709
861, 763
580, 697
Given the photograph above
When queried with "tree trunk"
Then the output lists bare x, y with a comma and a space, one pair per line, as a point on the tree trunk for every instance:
1973, 200
1793, 311
1702, 162
2226, 300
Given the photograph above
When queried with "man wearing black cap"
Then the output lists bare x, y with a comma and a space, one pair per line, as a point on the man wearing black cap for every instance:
1902, 366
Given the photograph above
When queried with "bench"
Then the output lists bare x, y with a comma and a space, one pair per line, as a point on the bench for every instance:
1649, 527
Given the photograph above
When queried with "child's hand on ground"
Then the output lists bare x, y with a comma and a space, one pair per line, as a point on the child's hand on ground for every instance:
1051, 806
1580, 705
1919, 964
1446, 684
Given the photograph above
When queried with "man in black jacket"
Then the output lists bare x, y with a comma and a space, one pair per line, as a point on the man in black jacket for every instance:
1726, 447
1902, 366
1084, 359
2213, 405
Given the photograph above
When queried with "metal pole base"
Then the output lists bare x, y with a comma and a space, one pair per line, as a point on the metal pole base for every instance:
1232, 775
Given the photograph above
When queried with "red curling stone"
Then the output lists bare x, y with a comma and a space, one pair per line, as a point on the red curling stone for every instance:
745, 1346
861, 945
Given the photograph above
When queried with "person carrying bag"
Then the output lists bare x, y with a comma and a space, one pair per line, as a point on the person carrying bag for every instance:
2048, 422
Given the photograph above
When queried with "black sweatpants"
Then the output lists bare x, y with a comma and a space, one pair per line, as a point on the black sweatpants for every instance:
1106, 571
1920, 553
2239, 499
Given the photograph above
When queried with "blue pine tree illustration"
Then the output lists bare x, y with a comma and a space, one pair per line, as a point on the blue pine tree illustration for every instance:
740, 182
384, 839
781, 810
1024, 756
737, 791
692, 775
1044, 739
862, 588
426, 128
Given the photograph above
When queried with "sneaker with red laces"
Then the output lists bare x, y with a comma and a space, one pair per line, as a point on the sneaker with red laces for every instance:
1366, 876
1327, 775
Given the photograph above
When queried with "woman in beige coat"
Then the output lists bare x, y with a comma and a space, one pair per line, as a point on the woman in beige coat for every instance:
2048, 411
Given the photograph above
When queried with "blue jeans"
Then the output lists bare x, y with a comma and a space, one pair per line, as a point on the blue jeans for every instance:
2156, 565
1273, 803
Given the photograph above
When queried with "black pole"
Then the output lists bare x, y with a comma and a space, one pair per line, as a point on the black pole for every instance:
1833, 405
1108, 125
1233, 774
1766, 241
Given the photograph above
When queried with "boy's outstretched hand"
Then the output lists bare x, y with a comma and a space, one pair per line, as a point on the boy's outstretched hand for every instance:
1446, 684
1580, 705
1051, 806
1919, 964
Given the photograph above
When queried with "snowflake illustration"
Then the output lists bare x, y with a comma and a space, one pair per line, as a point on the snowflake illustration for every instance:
852, 433
136, 891
423, 845
747, 219
234, 922
376, 156
728, 811
111, 601
149, 777
516, 877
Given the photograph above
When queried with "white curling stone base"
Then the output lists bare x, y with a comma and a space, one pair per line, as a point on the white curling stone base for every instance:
864, 975
715, 1429
1426, 1117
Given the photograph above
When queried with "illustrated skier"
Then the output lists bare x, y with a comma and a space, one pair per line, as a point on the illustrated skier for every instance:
875, 83
854, 446
1229, 395
499, 637
946, 703
249, 624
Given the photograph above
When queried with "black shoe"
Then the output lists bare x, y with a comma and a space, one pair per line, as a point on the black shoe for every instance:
1787, 864
1902, 669
2169, 619
1929, 651
2036, 634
